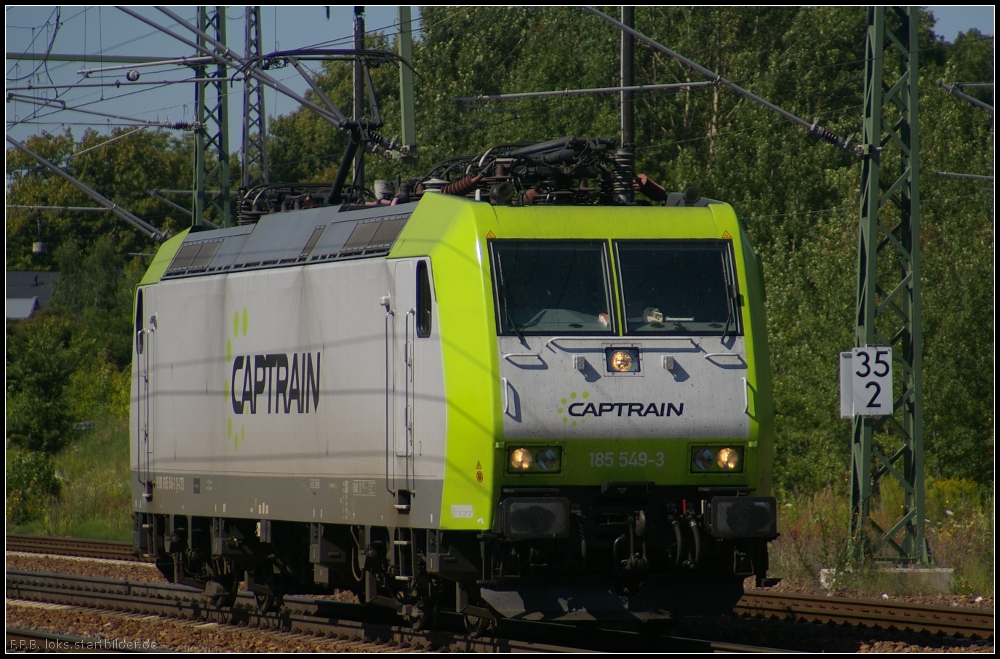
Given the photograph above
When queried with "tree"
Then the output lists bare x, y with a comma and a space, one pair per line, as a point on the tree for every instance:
97, 285
123, 171
39, 359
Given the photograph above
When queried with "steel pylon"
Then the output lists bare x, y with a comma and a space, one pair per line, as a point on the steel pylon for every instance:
211, 153
890, 448
255, 166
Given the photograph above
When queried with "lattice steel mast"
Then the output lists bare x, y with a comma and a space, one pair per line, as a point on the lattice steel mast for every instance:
255, 166
888, 294
211, 159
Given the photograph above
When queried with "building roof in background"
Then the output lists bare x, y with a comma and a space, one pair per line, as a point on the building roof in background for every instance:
27, 292
29, 284
20, 308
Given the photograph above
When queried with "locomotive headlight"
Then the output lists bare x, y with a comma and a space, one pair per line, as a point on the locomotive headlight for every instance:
717, 459
702, 459
727, 459
520, 459
622, 360
534, 460
548, 459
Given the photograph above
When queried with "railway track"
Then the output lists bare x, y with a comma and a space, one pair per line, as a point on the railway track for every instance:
351, 624
103, 549
948, 621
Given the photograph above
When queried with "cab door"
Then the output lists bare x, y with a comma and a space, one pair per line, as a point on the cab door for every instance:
145, 332
410, 377
401, 328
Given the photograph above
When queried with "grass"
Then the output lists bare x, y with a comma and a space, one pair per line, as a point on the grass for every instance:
95, 501
959, 530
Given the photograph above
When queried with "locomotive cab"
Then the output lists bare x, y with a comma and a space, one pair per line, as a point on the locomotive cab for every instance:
632, 405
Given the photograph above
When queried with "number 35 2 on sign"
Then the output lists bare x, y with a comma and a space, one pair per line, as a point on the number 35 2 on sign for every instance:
866, 382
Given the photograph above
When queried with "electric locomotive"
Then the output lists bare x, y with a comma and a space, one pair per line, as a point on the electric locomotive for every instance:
528, 385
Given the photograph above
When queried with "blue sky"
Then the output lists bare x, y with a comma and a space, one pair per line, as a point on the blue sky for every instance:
105, 29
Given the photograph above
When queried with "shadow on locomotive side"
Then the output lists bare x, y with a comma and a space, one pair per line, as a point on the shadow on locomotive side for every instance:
508, 389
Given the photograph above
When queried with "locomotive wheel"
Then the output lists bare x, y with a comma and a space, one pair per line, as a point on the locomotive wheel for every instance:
418, 619
423, 615
222, 594
266, 603
476, 626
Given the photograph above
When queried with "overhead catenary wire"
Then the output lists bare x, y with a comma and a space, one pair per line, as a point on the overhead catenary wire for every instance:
119, 84
597, 90
132, 219
61, 105
455, 17
184, 61
813, 128
48, 50
974, 176
36, 119
99, 57
105, 143
60, 208
228, 57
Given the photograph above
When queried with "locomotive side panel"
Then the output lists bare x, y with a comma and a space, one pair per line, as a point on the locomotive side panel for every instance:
268, 396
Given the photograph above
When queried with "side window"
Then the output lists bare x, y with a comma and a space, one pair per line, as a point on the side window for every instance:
138, 323
423, 300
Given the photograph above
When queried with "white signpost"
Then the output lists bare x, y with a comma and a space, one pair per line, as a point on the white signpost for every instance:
866, 382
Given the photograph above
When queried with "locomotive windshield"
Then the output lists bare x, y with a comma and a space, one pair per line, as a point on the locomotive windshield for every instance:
552, 287
678, 287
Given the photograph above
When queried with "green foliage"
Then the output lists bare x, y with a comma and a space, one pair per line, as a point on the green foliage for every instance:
958, 266
95, 501
123, 171
95, 285
31, 483
962, 535
38, 359
959, 530
813, 530
92, 498
99, 390
958, 498
70, 362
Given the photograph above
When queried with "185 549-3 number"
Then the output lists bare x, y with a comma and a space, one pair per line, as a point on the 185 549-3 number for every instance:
639, 459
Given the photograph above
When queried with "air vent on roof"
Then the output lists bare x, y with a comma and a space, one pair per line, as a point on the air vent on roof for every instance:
317, 232
194, 255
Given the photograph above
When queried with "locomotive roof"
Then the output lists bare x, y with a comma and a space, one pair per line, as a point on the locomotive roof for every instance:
291, 238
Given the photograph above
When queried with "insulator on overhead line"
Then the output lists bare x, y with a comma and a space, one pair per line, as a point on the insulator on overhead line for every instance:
830, 137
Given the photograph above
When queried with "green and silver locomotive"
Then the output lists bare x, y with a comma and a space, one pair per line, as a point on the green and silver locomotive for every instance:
506, 389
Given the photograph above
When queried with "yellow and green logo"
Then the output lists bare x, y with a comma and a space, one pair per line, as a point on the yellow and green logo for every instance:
564, 403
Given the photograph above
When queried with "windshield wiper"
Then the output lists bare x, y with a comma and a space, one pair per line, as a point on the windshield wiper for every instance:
506, 307
731, 294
